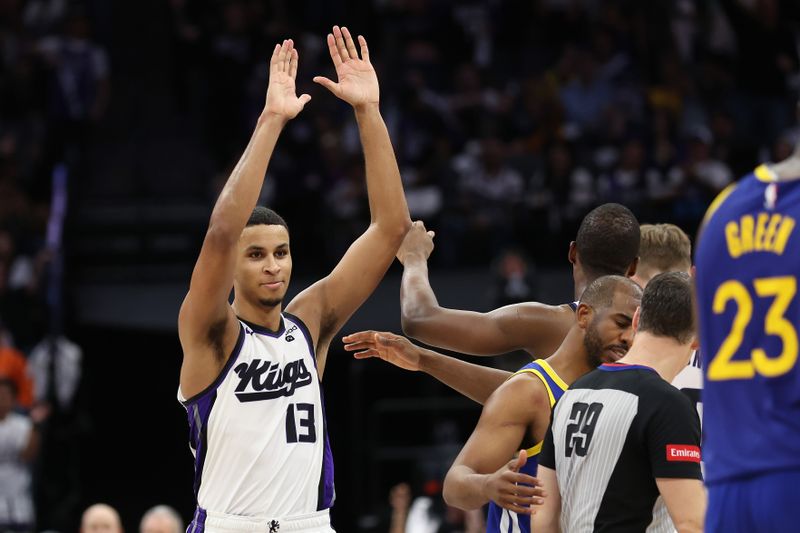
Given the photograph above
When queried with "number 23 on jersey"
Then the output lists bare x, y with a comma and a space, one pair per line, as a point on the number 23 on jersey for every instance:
782, 291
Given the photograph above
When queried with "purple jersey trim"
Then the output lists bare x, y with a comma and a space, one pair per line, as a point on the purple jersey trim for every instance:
224, 372
198, 523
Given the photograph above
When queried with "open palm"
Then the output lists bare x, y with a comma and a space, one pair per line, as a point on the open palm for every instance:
358, 83
282, 99
392, 348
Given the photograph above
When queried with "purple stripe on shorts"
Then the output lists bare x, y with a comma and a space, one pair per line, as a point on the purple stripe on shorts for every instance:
198, 524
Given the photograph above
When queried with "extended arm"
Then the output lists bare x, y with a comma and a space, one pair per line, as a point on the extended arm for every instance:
534, 327
326, 305
206, 324
686, 502
482, 471
476, 382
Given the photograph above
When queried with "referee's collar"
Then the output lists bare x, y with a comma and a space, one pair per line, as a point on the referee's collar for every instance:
617, 367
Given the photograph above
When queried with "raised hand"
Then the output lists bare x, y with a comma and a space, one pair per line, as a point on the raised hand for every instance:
392, 348
282, 100
418, 241
358, 83
510, 490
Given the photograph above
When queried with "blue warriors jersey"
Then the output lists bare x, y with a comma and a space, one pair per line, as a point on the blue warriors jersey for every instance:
748, 262
501, 520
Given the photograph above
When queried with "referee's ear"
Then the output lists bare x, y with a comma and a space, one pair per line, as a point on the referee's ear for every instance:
635, 322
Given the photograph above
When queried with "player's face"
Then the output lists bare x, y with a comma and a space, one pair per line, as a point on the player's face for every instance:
610, 333
264, 264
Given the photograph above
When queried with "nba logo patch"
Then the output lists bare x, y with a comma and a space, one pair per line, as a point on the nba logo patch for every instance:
770, 196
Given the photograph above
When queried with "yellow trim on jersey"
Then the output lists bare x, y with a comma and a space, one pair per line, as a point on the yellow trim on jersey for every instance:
552, 373
763, 173
536, 450
542, 378
721, 197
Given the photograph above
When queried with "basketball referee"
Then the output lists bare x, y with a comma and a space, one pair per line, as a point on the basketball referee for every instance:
623, 449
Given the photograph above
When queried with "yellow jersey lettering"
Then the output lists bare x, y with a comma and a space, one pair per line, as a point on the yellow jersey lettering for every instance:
763, 233
761, 227
732, 236
746, 233
769, 236
784, 233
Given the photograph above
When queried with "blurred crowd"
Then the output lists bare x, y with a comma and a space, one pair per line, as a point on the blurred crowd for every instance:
510, 118
53, 87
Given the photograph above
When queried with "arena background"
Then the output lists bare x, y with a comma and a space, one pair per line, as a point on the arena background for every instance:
511, 119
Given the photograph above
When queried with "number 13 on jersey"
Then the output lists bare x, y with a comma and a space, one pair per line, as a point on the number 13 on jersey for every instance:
782, 290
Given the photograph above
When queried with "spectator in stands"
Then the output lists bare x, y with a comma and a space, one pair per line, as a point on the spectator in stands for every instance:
19, 441
161, 519
101, 518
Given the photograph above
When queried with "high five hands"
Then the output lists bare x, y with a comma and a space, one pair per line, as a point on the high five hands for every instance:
357, 82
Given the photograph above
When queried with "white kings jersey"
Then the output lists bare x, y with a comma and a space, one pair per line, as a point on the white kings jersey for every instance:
258, 432
690, 381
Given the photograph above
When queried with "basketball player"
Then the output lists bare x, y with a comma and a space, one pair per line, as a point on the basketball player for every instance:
518, 413
250, 373
663, 248
607, 243
623, 450
666, 248
747, 267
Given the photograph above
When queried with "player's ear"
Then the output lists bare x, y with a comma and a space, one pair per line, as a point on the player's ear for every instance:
584, 315
572, 255
695, 343
635, 322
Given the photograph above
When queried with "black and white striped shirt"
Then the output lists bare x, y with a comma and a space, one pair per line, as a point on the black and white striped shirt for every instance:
612, 434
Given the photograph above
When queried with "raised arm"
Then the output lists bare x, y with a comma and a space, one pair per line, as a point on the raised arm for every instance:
533, 327
326, 305
476, 382
206, 324
483, 471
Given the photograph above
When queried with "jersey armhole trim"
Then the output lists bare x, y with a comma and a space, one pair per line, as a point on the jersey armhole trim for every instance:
539, 375
535, 450
552, 373
306, 334
718, 201
224, 372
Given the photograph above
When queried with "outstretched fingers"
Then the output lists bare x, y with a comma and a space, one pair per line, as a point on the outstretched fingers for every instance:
273, 61
293, 59
349, 44
340, 46
362, 43
334, 51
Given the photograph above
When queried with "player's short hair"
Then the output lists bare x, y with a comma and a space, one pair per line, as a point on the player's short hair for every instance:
608, 240
600, 293
667, 307
265, 215
664, 248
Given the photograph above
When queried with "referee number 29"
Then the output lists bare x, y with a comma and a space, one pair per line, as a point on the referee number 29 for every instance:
782, 290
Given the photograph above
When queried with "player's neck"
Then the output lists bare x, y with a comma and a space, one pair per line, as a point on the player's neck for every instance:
664, 355
570, 359
269, 318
